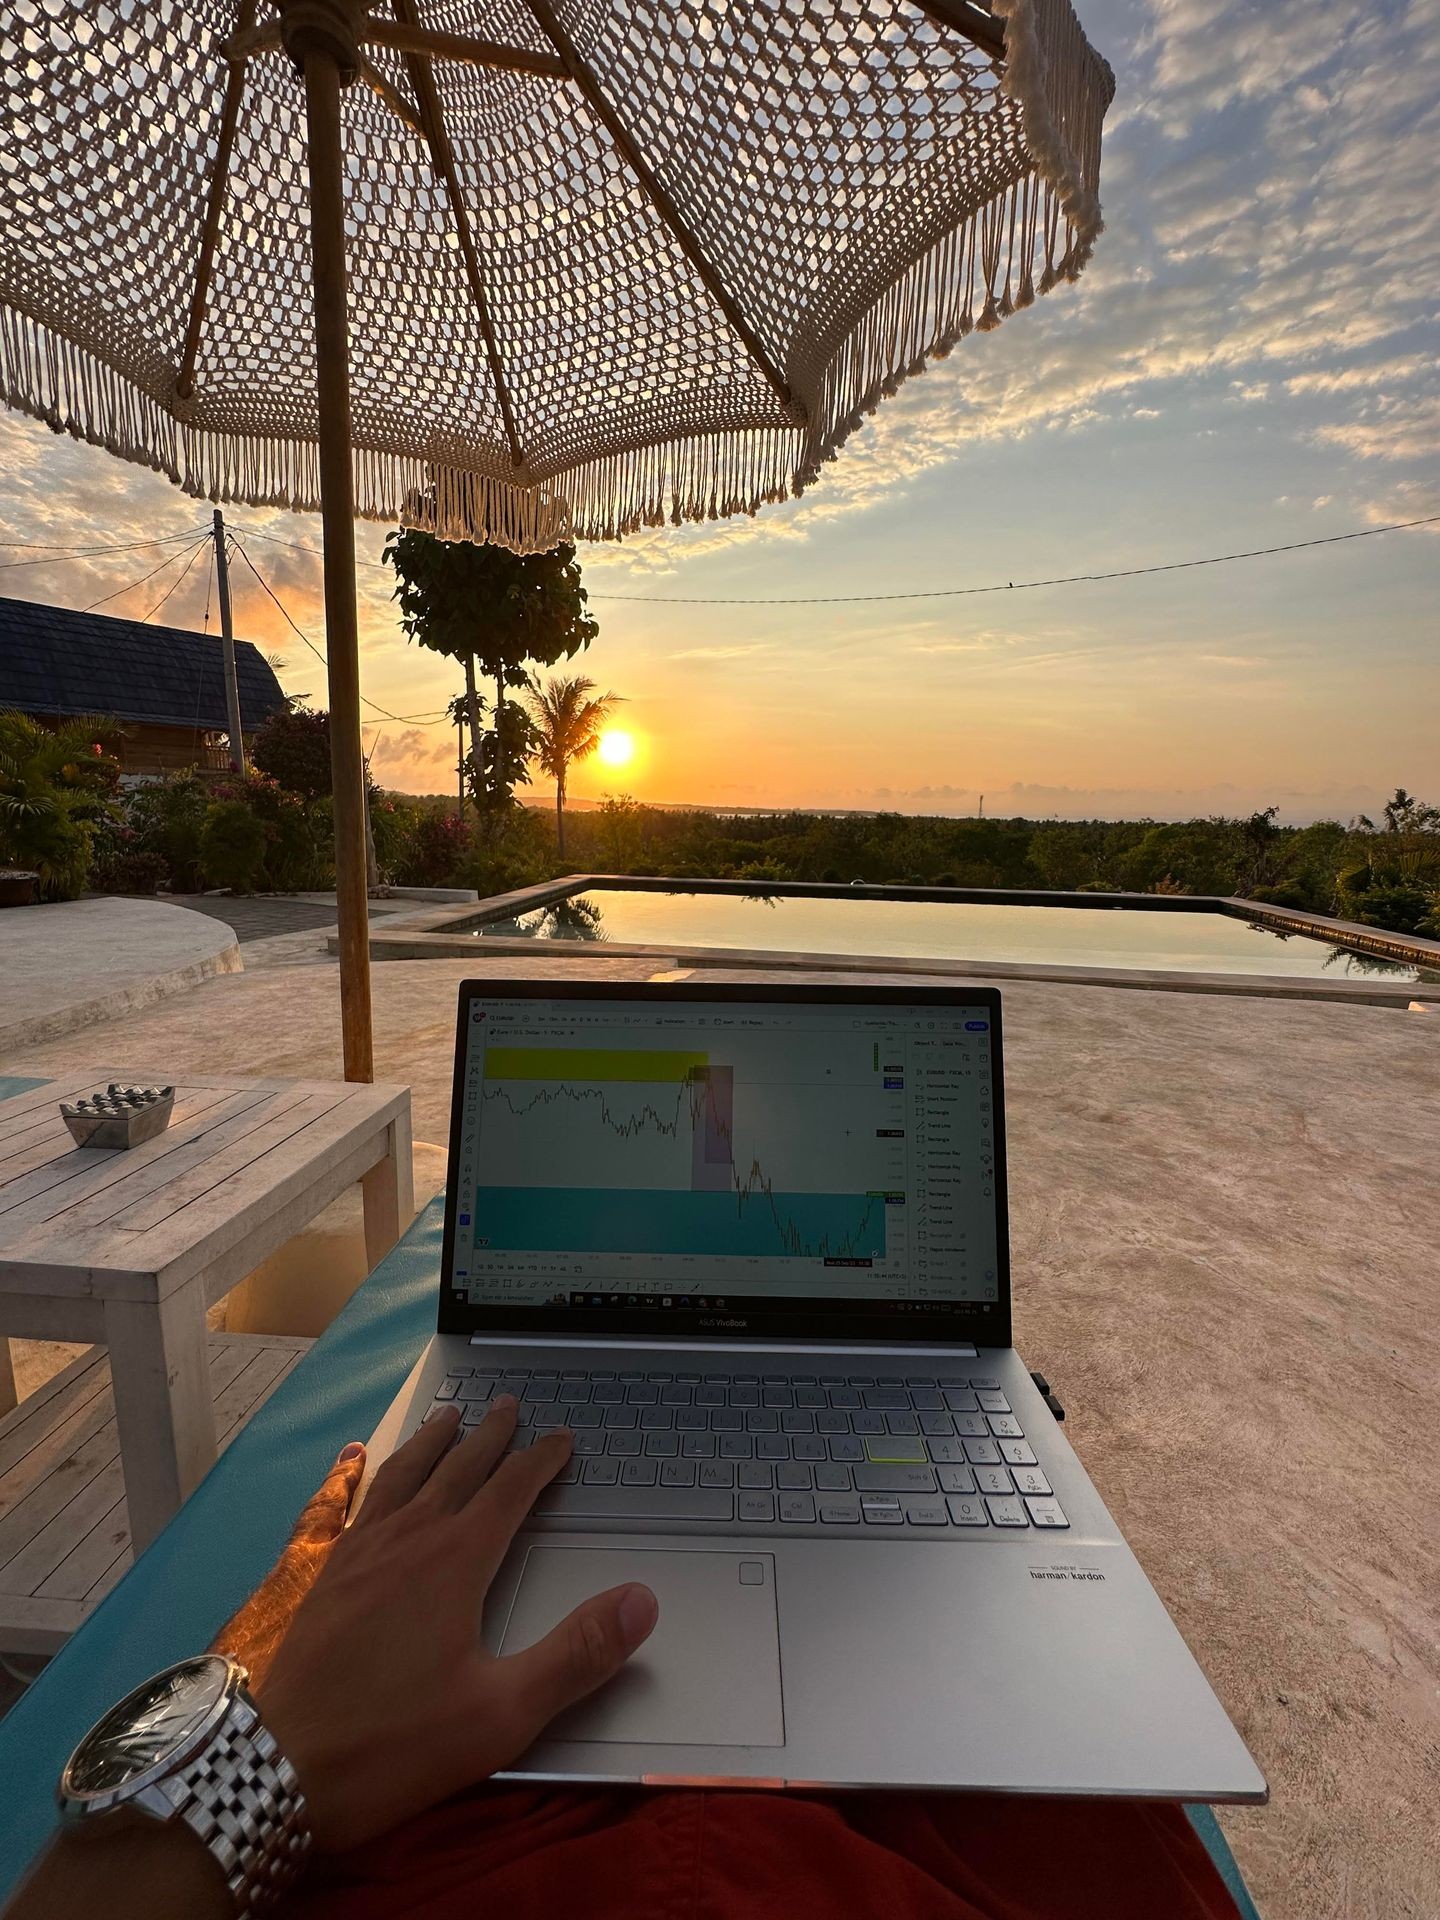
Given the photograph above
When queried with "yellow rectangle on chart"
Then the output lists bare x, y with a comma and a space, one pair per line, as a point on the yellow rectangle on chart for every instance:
583, 1064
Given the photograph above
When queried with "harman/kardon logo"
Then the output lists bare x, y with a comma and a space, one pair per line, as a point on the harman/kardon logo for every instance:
712, 1322
1066, 1573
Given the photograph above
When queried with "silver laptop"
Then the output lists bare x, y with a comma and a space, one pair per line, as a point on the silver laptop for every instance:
750, 1244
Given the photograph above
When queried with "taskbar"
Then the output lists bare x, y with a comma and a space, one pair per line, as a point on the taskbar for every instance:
753, 1305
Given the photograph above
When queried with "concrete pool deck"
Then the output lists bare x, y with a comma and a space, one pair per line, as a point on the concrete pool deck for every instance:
72, 962
1226, 1220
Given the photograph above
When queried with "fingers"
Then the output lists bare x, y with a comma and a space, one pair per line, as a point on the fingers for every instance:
322, 1518
585, 1650
514, 1489
467, 1466
511, 1492
410, 1466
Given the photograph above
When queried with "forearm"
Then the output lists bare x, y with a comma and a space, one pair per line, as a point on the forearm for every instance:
131, 1869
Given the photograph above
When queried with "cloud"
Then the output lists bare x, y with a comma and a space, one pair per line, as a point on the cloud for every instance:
1272, 235
1392, 372
736, 650
1388, 430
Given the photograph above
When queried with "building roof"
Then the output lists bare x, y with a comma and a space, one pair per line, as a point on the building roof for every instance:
55, 661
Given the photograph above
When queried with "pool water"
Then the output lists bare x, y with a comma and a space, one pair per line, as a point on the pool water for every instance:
1116, 937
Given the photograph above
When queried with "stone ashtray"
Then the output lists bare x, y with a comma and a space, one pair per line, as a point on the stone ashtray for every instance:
119, 1117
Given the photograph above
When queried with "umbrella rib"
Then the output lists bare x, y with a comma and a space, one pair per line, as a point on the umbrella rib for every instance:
215, 204
585, 80
973, 18
407, 36
399, 106
442, 157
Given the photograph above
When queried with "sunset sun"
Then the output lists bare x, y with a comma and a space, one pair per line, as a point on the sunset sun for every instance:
616, 748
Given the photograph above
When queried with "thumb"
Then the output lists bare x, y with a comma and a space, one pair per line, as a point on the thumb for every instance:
588, 1647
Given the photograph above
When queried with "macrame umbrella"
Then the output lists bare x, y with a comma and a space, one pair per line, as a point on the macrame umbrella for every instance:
517, 270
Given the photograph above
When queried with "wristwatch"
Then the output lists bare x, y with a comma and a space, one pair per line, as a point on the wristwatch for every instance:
189, 1745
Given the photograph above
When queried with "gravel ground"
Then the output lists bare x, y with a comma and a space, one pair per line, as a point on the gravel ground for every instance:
1227, 1232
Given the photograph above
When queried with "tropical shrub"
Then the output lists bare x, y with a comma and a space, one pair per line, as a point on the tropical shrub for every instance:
511, 849
232, 846
433, 850
1395, 879
167, 817
293, 749
119, 864
55, 787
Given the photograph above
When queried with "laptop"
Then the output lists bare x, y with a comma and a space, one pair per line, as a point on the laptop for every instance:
750, 1243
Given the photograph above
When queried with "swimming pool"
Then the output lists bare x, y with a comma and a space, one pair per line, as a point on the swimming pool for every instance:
1124, 938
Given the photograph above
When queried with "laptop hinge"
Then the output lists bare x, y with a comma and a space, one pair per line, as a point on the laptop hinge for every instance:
962, 1350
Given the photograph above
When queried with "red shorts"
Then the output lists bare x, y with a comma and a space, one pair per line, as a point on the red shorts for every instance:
518, 1853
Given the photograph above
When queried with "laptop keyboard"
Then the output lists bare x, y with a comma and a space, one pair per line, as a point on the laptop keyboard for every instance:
808, 1451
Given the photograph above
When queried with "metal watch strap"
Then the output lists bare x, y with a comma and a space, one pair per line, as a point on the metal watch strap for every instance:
242, 1799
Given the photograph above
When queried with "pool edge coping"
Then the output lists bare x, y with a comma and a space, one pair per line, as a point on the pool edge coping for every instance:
434, 935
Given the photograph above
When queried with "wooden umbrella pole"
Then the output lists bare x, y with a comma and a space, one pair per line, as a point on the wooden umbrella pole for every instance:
337, 512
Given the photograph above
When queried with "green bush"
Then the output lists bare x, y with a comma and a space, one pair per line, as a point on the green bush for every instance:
1397, 906
433, 851
293, 750
232, 846
167, 817
511, 849
55, 788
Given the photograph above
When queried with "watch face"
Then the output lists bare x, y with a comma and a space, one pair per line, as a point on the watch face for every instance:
150, 1728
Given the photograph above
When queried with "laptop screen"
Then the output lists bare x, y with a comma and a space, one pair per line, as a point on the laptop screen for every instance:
728, 1165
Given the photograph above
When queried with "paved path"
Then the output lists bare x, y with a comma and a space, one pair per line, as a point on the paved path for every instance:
260, 916
264, 916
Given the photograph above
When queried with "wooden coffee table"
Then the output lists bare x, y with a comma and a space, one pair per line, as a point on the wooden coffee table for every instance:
131, 1248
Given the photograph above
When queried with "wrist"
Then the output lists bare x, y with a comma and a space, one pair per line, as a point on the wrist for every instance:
188, 1749
122, 1864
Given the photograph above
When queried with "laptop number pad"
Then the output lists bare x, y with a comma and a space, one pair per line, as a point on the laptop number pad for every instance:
814, 1453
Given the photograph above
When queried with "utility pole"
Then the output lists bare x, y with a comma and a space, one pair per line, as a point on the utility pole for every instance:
227, 645
982, 806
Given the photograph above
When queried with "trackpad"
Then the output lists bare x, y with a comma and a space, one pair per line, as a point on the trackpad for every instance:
708, 1676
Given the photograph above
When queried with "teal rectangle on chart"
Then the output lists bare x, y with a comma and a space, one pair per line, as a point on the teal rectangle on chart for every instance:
758, 1223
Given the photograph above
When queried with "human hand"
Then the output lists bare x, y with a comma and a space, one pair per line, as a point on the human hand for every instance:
381, 1693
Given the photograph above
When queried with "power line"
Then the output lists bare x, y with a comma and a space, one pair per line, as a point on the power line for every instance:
71, 553
951, 593
179, 578
402, 719
316, 553
120, 592
1014, 586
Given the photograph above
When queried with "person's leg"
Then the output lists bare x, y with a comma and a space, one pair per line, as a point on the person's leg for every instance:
532, 1854
1014, 1858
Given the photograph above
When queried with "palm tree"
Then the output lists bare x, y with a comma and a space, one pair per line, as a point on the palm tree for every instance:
569, 717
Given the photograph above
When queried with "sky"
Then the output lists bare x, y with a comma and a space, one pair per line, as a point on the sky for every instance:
1250, 359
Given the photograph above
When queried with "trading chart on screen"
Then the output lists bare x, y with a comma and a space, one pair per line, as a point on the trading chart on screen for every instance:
617, 1153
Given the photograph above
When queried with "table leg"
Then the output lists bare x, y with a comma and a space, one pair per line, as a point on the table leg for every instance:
8, 1396
164, 1413
388, 1192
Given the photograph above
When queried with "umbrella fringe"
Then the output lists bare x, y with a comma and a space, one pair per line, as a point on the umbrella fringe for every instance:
74, 391
1045, 218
